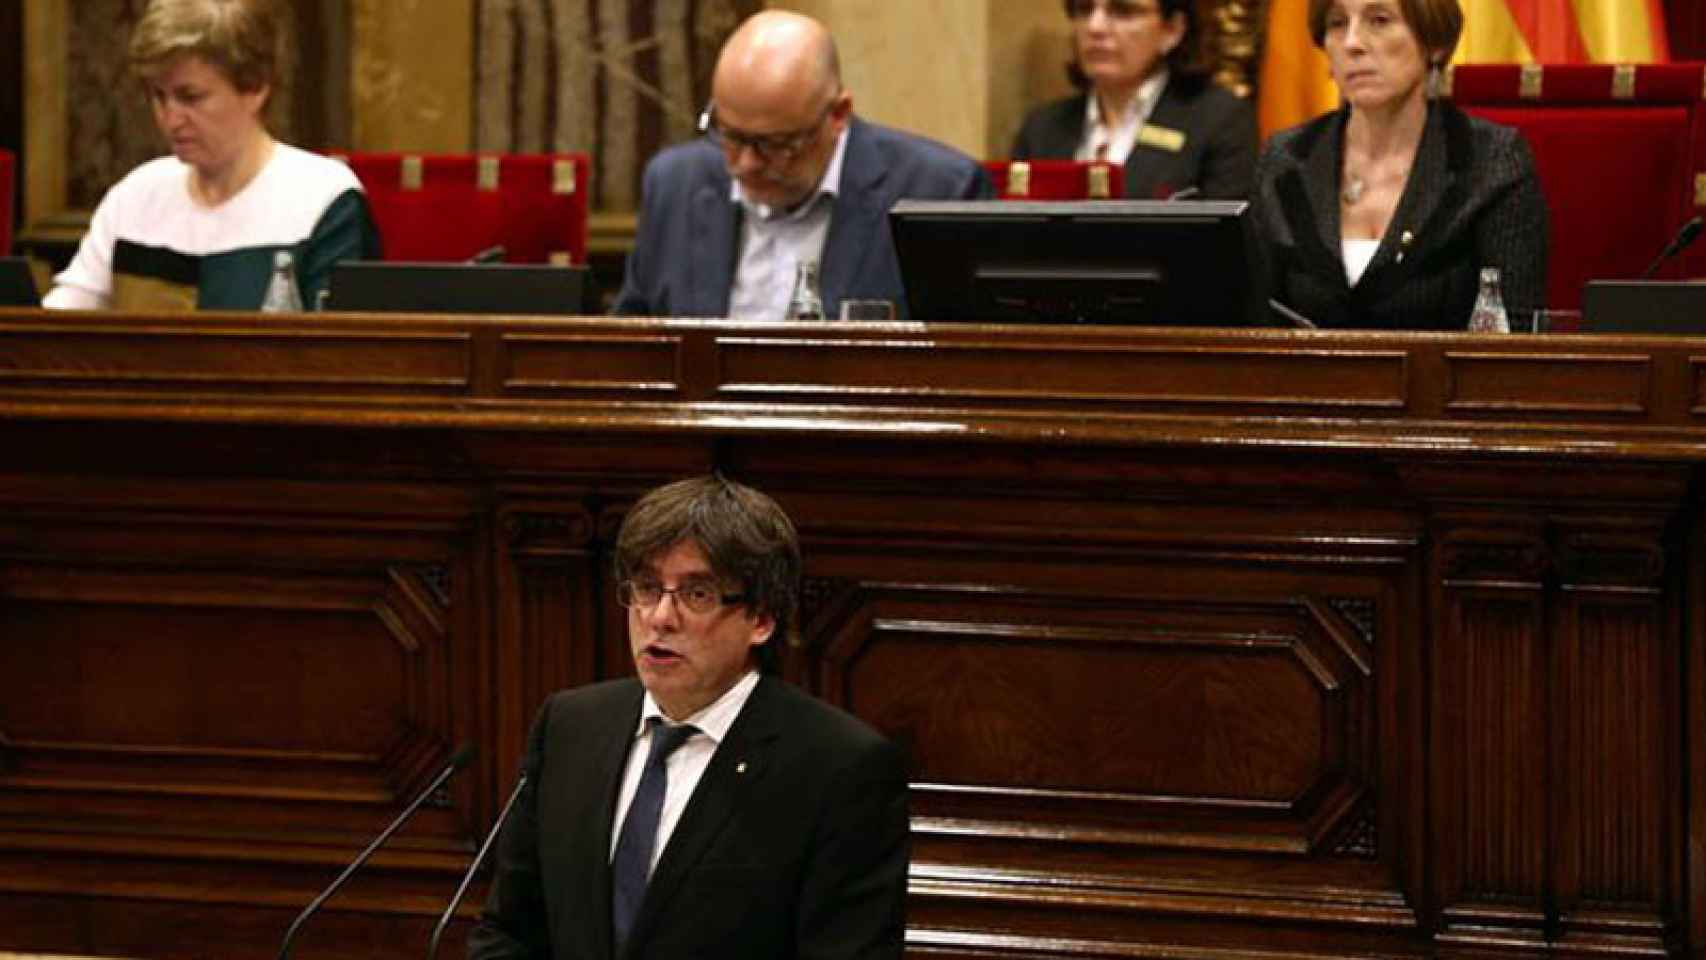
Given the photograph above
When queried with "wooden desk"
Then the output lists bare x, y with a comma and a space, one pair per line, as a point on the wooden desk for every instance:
1208, 644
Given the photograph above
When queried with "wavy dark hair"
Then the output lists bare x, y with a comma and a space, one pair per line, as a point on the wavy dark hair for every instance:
746, 538
1185, 60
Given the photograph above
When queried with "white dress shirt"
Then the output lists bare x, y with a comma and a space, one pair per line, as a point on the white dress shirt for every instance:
685, 766
773, 241
1357, 254
1112, 142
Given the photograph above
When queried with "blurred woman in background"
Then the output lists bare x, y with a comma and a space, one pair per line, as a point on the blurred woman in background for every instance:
201, 227
1147, 103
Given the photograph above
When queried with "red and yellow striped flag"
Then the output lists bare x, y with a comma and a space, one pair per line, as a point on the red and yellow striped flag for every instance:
1563, 31
1294, 85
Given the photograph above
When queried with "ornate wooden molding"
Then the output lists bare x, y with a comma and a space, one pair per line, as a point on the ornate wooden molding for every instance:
1199, 643
412, 609
1266, 390
437, 579
1264, 645
538, 533
1362, 840
1360, 613
1504, 562
1608, 558
818, 597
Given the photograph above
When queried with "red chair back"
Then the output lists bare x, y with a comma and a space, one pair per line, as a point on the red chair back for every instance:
1621, 153
446, 207
1056, 180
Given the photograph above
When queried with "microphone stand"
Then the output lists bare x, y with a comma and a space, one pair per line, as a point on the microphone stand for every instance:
457, 761
1678, 243
473, 868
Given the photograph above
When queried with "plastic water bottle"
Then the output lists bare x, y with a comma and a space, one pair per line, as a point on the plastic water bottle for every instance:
283, 296
806, 303
1489, 313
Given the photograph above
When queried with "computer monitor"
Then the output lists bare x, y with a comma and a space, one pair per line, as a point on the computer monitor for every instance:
1644, 306
480, 288
17, 284
1093, 261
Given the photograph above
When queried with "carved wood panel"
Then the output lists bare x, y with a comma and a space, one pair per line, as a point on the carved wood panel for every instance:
199, 681
1555, 632
1491, 728
1114, 721
1107, 744
553, 633
1616, 695
1394, 657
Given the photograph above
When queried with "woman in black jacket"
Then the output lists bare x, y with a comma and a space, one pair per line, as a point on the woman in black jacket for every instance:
1147, 103
1383, 213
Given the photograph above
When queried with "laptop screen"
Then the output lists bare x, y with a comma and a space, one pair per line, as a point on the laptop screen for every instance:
478, 288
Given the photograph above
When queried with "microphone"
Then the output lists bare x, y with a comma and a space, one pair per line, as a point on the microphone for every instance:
1290, 316
458, 760
489, 255
479, 858
1678, 243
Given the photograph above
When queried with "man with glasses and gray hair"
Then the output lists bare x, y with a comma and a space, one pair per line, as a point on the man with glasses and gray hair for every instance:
704, 808
784, 173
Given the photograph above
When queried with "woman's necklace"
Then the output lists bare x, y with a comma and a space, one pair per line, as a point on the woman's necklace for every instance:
1363, 172
1356, 183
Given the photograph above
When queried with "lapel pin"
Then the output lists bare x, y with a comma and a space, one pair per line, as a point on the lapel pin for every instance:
740, 767
1404, 244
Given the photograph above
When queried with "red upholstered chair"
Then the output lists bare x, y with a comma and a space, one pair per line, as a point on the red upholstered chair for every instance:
7, 168
1056, 180
1621, 152
452, 206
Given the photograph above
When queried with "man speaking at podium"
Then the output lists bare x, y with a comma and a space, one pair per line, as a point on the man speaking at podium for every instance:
706, 808
785, 173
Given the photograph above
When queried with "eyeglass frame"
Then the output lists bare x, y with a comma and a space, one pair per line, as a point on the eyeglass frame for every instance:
627, 596
780, 147
1108, 8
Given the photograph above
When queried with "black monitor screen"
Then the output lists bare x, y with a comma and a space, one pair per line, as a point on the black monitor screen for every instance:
1643, 306
472, 288
1094, 261
17, 284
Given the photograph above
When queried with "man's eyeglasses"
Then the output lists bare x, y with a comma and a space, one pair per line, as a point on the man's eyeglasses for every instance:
778, 147
1115, 9
698, 596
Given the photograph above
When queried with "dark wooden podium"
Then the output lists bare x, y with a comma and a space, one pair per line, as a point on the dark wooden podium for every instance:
1208, 644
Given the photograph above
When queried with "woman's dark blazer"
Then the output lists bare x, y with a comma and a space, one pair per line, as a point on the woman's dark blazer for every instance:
1472, 200
1216, 152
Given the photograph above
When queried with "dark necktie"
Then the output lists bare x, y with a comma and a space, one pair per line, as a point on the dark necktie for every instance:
632, 866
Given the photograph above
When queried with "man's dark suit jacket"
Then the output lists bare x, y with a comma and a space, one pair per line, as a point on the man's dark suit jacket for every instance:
1218, 155
794, 844
687, 249
1472, 201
